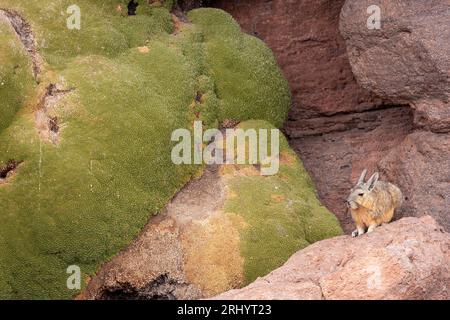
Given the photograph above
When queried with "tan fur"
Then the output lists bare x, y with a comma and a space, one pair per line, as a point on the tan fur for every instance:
373, 203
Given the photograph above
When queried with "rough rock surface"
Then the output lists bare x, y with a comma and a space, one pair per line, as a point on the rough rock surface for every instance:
305, 38
158, 264
407, 259
408, 61
421, 166
337, 126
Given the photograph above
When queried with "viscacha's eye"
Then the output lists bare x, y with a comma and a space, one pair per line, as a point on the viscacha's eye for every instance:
360, 194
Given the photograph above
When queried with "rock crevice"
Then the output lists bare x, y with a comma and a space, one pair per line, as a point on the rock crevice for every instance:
46, 121
26, 36
7, 169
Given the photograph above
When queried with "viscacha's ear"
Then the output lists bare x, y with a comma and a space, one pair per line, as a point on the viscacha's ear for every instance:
372, 181
362, 176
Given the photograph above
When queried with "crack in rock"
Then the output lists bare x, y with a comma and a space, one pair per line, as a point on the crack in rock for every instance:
161, 288
47, 124
26, 36
8, 169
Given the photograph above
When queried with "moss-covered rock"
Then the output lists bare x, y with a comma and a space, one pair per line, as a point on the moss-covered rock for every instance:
221, 231
260, 222
111, 93
248, 81
16, 79
281, 212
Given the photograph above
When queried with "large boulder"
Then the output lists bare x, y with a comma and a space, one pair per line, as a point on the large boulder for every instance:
405, 60
407, 259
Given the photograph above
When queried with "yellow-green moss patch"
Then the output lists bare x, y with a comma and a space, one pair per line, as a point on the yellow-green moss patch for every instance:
282, 212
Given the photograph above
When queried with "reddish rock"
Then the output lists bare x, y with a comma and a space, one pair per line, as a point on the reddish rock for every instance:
304, 35
407, 58
346, 145
421, 165
432, 115
407, 259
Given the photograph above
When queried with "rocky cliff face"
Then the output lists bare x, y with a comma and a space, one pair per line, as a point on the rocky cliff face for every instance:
407, 259
394, 117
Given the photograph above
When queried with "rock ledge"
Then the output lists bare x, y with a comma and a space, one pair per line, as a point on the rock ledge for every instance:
407, 259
